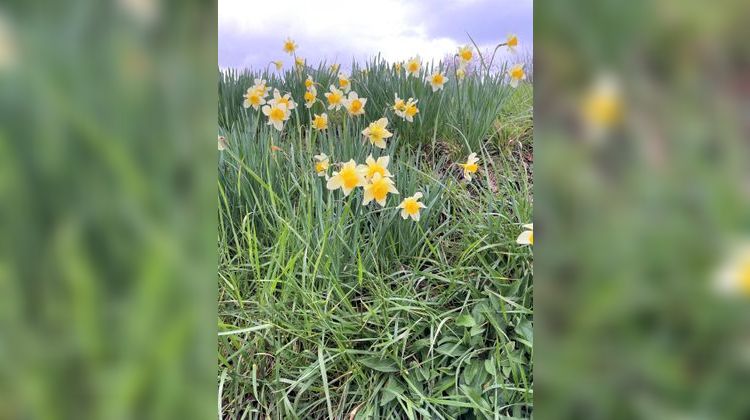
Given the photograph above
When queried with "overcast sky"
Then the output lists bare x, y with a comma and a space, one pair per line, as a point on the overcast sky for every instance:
251, 33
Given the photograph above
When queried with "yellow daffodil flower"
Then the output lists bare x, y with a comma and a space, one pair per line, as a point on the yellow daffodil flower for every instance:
733, 276
279, 64
348, 178
602, 107
465, 53
277, 113
335, 98
378, 189
516, 74
397, 66
527, 236
411, 207
334, 68
411, 109
460, 73
413, 65
309, 82
310, 96
354, 104
437, 81
344, 83
254, 98
321, 164
286, 100
471, 166
399, 106
377, 132
512, 42
379, 166
320, 122
290, 46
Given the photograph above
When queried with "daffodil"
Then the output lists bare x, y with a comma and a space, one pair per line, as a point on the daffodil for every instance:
321, 164
411, 207
471, 166
286, 100
335, 98
348, 178
512, 42
309, 82
334, 68
413, 65
277, 114
299, 62
733, 276
465, 53
437, 81
516, 74
411, 109
344, 83
378, 189
379, 166
527, 236
397, 66
254, 98
261, 86
460, 73
377, 132
279, 64
310, 96
222, 143
399, 106
320, 122
354, 104
290, 46
602, 106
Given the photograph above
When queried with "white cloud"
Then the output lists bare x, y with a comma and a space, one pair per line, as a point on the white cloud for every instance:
391, 27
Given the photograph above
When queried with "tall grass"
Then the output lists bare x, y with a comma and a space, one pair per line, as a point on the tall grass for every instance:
332, 309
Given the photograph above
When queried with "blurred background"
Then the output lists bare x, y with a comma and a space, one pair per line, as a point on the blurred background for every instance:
642, 186
107, 209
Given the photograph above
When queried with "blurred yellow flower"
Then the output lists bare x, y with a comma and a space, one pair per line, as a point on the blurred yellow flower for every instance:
290, 46
411, 206
279, 64
527, 236
321, 164
254, 98
320, 122
309, 82
286, 100
471, 166
465, 53
348, 178
335, 98
437, 81
377, 132
354, 104
733, 276
310, 96
516, 74
334, 68
411, 109
602, 106
413, 65
344, 83
277, 113
378, 189
299, 62
397, 66
512, 42
399, 106
222, 143
460, 73
379, 166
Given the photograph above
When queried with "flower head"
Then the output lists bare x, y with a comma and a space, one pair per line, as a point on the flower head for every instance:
321, 164
413, 65
310, 96
254, 98
437, 81
471, 166
377, 132
527, 236
411, 206
277, 113
397, 66
603, 106
460, 73
279, 64
512, 42
290, 46
465, 53
411, 109
378, 189
261, 86
299, 62
379, 166
320, 122
309, 82
399, 106
334, 68
286, 100
733, 276
335, 98
516, 74
348, 178
344, 83
354, 104
222, 143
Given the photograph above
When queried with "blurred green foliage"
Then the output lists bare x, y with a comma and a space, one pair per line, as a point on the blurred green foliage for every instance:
106, 178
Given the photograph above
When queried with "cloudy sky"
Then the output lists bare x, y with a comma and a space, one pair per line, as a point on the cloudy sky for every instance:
251, 33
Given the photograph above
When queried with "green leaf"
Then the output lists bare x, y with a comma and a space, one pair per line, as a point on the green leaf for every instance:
466, 320
381, 365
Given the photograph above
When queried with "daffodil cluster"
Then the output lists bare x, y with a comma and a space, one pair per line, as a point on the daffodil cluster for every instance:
311, 93
405, 109
255, 96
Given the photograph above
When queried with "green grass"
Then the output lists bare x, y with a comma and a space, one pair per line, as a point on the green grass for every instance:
329, 308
